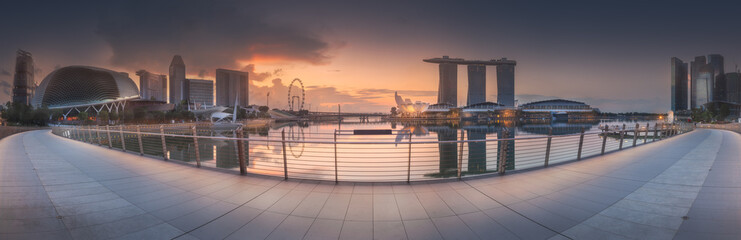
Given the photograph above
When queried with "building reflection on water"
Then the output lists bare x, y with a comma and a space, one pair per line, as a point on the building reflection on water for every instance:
479, 157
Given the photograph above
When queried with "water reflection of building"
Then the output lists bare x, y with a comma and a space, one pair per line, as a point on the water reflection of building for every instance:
477, 151
559, 128
510, 146
448, 151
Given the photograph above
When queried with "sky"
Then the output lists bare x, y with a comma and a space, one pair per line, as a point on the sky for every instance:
613, 55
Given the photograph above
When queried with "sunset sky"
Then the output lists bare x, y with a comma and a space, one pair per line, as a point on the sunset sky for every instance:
613, 55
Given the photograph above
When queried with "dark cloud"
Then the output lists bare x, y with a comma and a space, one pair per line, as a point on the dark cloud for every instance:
5, 73
202, 73
278, 72
145, 34
5, 88
258, 76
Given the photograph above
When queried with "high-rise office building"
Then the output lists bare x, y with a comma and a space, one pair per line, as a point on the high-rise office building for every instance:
476, 84
506, 84
178, 88
679, 84
229, 83
447, 91
719, 77
23, 82
201, 91
733, 87
694, 73
704, 93
152, 86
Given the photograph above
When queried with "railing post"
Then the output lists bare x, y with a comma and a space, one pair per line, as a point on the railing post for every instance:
240, 152
195, 143
635, 134
336, 178
97, 133
645, 138
285, 159
409, 163
503, 153
663, 131
548, 147
123, 140
581, 143
622, 137
139, 136
656, 130
108, 132
90, 134
604, 138
460, 155
164, 144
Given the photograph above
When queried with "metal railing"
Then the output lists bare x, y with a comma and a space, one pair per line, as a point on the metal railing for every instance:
345, 156
736, 127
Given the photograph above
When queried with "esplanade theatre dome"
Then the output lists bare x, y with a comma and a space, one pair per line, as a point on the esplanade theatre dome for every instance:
75, 86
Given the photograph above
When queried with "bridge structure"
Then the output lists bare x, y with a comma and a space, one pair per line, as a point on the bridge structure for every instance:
684, 187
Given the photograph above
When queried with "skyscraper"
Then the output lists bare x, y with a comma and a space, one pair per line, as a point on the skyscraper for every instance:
733, 87
506, 84
704, 90
178, 88
476, 84
679, 84
23, 83
229, 83
152, 86
694, 74
201, 91
719, 77
447, 91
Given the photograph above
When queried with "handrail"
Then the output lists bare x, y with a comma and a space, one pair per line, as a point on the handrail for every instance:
364, 159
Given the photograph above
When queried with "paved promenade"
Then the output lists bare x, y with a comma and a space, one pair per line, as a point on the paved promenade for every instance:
687, 187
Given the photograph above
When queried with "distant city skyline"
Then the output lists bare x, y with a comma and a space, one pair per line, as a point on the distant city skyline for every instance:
611, 56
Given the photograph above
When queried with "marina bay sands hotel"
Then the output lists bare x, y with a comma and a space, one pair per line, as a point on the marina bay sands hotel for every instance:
448, 88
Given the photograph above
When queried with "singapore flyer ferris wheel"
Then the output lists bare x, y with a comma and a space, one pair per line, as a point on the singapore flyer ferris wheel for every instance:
292, 98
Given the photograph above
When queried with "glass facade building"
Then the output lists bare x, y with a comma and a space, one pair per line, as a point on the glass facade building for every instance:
178, 88
201, 91
679, 84
476, 84
229, 84
152, 86
23, 80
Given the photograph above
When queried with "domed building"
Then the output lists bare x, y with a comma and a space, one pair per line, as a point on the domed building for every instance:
558, 109
82, 86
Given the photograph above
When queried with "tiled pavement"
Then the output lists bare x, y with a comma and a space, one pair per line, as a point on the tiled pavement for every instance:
687, 187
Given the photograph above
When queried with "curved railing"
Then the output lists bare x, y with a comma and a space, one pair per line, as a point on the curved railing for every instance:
359, 156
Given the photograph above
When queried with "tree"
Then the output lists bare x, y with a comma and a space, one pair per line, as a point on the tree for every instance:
723, 112
128, 115
114, 116
139, 114
393, 111
41, 116
103, 117
83, 117
263, 109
